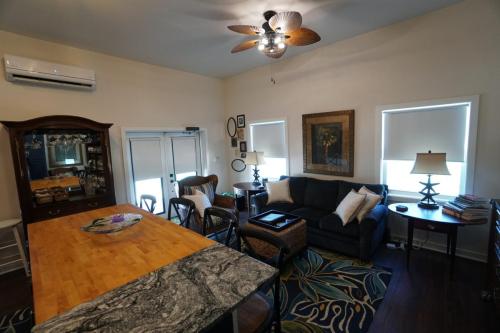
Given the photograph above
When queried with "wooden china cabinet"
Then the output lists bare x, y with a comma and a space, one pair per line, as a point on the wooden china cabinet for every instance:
62, 166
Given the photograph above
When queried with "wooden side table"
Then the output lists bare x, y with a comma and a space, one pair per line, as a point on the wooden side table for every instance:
247, 189
432, 220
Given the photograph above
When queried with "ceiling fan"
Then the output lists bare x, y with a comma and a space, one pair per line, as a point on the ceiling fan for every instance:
278, 32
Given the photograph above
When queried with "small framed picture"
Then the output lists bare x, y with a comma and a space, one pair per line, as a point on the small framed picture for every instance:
240, 120
234, 142
240, 134
243, 155
243, 146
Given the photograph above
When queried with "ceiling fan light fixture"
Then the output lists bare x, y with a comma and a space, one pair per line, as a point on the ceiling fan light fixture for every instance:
278, 32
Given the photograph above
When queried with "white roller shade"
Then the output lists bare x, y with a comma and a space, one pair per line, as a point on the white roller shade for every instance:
146, 158
441, 130
270, 139
184, 152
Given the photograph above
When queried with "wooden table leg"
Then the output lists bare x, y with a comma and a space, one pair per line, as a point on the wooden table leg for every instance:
448, 240
453, 247
410, 242
235, 321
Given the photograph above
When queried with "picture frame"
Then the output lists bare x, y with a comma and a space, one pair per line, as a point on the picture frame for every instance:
240, 121
328, 143
243, 146
234, 142
231, 127
240, 134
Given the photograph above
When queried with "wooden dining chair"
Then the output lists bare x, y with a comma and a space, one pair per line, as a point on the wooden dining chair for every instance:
148, 202
223, 224
184, 210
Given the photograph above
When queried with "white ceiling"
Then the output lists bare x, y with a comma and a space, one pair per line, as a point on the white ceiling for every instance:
191, 35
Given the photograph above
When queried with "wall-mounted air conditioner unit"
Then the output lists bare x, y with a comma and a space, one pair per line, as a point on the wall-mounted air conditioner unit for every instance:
19, 69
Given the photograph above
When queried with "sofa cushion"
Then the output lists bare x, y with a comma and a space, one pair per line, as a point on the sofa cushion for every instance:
311, 215
298, 189
333, 223
345, 187
321, 194
281, 206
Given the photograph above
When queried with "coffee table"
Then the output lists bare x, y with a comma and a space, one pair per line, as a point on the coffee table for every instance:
295, 236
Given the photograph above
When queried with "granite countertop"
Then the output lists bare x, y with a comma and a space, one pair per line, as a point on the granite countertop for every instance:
185, 296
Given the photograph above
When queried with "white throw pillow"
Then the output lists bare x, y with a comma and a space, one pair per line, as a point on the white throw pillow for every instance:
200, 200
349, 207
372, 199
278, 191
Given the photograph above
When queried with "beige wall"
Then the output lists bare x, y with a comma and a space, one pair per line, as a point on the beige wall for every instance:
448, 53
128, 94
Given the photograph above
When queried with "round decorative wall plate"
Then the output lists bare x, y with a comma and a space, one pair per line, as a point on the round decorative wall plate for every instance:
112, 223
238, 165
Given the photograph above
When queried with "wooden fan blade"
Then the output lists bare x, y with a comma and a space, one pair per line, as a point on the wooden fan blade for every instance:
286, 22
244, 46
302, 37
246, 29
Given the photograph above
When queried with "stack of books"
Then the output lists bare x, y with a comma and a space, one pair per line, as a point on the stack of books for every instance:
467, 207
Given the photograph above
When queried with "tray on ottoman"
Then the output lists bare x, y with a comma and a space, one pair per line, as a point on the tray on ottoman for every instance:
294, 234
274, 220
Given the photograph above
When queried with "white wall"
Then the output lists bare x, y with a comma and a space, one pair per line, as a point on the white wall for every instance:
448, 53
128, 94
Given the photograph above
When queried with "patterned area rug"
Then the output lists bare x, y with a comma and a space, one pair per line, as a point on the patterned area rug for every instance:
19, 321
325, 292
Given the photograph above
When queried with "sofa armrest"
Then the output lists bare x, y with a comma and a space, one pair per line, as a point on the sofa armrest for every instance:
259, 201
374, 217
372, 230
224, 201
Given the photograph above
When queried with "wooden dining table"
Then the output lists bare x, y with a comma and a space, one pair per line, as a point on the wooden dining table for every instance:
76, 274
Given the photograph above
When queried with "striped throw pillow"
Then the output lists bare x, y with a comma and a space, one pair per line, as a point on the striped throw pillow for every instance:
207, 188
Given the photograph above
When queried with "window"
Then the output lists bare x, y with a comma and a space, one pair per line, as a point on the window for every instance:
270, 138
438, 127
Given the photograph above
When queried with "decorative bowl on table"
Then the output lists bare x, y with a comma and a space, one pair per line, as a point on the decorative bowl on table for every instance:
112, 223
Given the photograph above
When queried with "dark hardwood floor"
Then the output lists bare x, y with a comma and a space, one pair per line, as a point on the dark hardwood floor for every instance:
423, 299
419, 300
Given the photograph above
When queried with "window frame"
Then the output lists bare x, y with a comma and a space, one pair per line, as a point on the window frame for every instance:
271, 121
471, 140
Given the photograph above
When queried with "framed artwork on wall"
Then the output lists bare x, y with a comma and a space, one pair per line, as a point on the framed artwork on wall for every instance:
243, 146
231, 127
240, 134
328, 143
240, 120
234, 142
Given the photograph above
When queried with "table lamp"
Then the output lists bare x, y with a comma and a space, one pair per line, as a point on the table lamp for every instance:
255, 158
429, 164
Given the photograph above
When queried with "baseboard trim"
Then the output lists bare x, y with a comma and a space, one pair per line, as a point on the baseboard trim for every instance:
438, 247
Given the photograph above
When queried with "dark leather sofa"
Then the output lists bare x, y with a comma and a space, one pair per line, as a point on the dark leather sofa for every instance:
315, 200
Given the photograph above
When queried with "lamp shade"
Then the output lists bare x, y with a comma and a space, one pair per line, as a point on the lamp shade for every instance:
430, 164
254, 158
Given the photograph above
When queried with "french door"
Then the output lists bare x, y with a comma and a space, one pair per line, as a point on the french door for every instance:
158, 160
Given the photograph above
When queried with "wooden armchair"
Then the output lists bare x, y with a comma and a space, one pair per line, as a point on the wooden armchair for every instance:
219, 201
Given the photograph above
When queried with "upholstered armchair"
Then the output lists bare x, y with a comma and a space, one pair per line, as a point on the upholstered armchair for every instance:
183, 187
